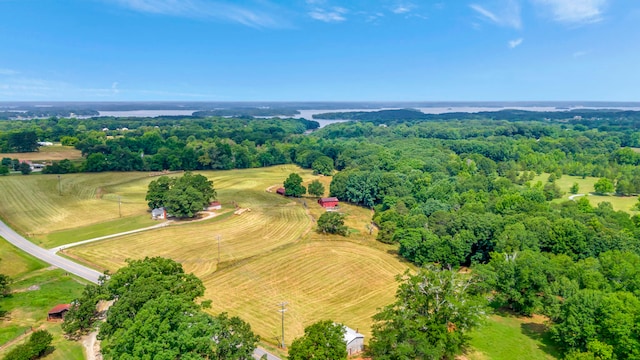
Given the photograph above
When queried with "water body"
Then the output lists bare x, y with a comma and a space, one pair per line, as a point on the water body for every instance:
147, 113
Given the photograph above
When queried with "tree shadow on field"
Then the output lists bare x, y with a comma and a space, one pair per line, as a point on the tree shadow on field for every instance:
539, 333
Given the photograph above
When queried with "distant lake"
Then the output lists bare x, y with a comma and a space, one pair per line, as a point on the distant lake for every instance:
147, 113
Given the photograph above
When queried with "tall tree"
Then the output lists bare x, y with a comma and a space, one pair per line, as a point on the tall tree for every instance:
603, 186
293, 186
430, 319
323, 340
182, 197
155, 316
332, 222
316, 188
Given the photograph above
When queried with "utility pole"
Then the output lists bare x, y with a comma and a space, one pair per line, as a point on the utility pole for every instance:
59, 188
218, 237
119, 207
282, 310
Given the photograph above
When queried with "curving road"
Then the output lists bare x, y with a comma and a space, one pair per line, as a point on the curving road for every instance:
47, 256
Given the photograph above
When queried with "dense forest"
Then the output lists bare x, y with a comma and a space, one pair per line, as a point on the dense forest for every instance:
454, 190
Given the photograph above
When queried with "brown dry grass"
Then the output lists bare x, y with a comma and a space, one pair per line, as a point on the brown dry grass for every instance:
47, 153
271, 254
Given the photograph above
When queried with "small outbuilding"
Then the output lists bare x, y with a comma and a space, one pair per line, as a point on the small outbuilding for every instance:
329, 203
280, 191
214, 205
354, 341
159, 213
58, 312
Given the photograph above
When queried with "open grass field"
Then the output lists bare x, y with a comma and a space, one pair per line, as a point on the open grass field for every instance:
33, 205
119, 225
337, 280
510, 337
271, 254
268, 255
47, 153
273, 221
15, 263
36, 289
624, 203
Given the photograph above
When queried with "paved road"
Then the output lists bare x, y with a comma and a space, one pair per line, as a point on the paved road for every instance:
47, 256
573, 197
65, 246
259, 352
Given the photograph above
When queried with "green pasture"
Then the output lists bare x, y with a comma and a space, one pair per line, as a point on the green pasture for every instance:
509, 337
36, 289
93, 231
15, 263
624, 203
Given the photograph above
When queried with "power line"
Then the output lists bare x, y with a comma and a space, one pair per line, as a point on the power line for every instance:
282, 311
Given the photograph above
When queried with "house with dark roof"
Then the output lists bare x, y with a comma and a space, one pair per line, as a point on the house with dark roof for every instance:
58, 312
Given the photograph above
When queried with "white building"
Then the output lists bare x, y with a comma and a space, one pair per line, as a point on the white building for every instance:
354, 341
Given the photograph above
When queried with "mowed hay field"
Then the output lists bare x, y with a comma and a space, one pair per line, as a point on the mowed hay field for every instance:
270, 254
47, 153
338, 280
269, 222
37, 205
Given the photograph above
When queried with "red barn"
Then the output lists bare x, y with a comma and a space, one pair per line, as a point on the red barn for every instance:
280, 191
58, 312
328, 203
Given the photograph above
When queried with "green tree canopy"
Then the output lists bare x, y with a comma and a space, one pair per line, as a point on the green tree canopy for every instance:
323, 165
430, 319
38, 345
323, 340
182, 197
155, 316
603, 186
332, 222
316, 188
293, 186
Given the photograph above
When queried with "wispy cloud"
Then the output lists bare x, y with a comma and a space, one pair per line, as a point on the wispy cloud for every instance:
508, 15
402, 8
205, 10
515, 43
580, 53
334, 14
8, 72
575, 11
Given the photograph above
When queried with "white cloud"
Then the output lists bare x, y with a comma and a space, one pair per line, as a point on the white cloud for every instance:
575, 11
8, 72
402, 8
508, 16
203, 9
515, 43
580, 53
335, 14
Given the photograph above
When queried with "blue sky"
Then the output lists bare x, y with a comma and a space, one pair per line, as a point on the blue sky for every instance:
325, 50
